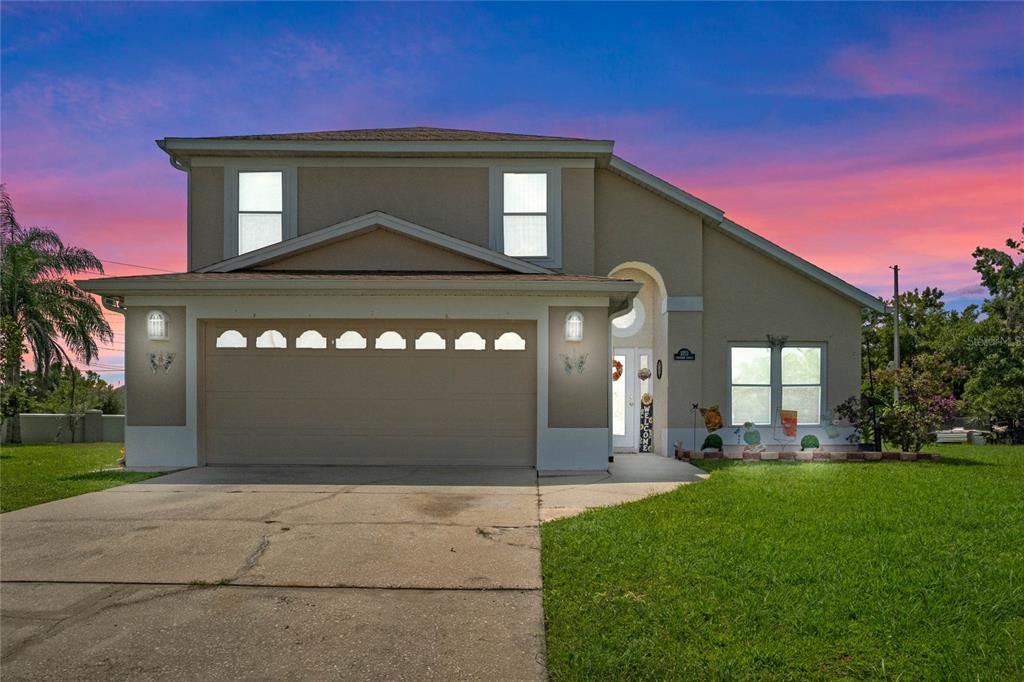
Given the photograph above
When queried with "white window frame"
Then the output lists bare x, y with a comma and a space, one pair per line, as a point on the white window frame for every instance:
289, 201
553, 260
776, 379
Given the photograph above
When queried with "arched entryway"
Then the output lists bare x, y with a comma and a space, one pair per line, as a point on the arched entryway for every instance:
639, 340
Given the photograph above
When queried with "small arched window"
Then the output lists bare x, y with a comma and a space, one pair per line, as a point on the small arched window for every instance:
156, 325
231, 339
431, 341
271, 339
390, 341
350, 340
510, 341
574, 326
311, 338
470, 341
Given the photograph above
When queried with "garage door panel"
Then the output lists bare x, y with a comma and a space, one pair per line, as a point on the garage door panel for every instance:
369, 406
368, 450
481, 414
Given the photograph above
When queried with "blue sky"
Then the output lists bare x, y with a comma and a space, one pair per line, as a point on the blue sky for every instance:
857, 135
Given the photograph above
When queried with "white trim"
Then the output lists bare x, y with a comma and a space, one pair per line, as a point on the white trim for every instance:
794, 261
289, 202
179, 145
617, 293
374, 162
362, 224
496, 210
683, 304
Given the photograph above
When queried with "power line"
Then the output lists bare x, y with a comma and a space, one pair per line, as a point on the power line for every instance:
134, 265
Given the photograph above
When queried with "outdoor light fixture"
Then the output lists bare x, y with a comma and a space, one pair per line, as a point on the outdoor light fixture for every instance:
574, 326
156, 325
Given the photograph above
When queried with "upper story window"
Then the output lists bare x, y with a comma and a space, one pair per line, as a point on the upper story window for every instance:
260, 209
525, 214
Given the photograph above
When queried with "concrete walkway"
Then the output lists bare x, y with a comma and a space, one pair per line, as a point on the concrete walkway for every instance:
294, 573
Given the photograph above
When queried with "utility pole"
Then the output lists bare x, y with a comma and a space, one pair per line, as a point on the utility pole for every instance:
896, 326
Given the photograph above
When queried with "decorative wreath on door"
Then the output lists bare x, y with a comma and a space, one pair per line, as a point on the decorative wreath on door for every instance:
616, 370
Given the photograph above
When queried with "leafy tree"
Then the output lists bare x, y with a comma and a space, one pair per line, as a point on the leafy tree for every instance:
996, 385
40, 308
925, 403
71, 391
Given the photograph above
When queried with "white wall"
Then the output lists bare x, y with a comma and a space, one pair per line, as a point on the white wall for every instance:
557, 449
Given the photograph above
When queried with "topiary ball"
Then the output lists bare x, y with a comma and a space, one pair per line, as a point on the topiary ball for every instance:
809, 442
712, 442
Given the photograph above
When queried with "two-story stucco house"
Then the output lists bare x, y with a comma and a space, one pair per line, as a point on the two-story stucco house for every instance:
433, 296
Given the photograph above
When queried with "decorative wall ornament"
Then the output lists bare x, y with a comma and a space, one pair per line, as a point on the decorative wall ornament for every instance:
617, 370
658, 369
574, 362
158, 361
644, 374
777, 342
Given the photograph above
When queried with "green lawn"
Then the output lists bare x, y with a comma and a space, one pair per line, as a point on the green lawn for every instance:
33, 474
779, 571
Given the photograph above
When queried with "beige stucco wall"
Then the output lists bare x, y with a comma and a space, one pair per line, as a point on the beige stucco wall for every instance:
578, 221
206, 213
154, 398
748, 295
449, 200
380, 250
578, 399
634, 224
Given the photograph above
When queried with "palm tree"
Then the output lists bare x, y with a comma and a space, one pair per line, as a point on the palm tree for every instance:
40, 309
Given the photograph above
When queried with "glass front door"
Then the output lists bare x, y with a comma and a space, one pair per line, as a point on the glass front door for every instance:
627, 390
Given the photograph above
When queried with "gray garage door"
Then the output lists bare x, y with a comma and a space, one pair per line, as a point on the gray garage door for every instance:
347, 392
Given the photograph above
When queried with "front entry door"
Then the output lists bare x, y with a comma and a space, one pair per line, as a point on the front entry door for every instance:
627, 390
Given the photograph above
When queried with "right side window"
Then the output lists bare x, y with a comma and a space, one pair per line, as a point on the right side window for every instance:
801, 382
525, 214
751, 390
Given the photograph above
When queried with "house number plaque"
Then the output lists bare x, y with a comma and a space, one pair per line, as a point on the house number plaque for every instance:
684, 354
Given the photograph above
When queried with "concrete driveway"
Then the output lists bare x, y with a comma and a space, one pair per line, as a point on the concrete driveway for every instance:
294, 573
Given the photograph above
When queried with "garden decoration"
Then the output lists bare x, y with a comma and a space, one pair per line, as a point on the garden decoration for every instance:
712, 417
712, 442
809, 442
646, 422
752, 438
788, 419
831, 425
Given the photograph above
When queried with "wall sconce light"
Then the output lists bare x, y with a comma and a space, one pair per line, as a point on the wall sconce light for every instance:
574, 326
156, 325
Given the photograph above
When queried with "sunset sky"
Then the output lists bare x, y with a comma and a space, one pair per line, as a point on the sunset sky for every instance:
856, 135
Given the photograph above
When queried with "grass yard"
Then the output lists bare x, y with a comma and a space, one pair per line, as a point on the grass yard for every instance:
33, 474
786, 571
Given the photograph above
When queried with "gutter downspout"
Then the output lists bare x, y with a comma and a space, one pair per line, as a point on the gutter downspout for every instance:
179, 165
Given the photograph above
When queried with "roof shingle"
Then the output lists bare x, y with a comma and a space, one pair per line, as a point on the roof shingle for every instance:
416, 134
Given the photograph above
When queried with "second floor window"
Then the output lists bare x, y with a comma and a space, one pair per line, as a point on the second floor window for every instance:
260, 209
525, 214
